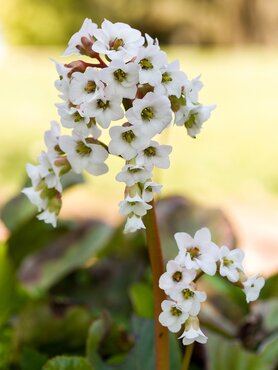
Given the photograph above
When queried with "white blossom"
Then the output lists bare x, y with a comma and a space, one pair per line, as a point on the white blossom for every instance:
172, 80
252, 287
149, 188
188, 297
155, 155
133, 224
172, 315
175, 277
192, 332
48, 217
87, 30
122, 78
132, 174
134, 205
83, 86
117, 40
230, 263
35, 197
198, 252
51, 139
49, 172
152, 114
83, 155
62, 84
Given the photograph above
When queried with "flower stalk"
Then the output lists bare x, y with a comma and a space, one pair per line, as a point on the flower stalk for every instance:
187, 356
157, 266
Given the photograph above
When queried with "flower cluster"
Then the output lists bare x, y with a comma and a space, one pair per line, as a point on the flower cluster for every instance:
127, 79
197, 256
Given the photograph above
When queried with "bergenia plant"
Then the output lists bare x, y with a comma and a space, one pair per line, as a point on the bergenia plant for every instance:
127, 86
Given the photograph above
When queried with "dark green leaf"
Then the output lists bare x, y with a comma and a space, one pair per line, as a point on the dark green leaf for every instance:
270, 290
141, 296
31, 359
67, 363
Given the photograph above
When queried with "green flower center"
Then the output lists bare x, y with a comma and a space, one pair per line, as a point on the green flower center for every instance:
90, 87
77, 117
119, 75
102, 105
128, 136
115, 44
187, 293
150, 151
147, 113
191, 121
227, 262
175, 311
166, 77
145, 64
194, 252
82, 149
177, 276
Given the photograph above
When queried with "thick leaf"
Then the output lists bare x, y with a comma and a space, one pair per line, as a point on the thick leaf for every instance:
31, 359
67, 363
64, 255
141, 296
229, 355
141, 356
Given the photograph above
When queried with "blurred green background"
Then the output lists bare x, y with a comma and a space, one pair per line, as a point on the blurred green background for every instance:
232, 164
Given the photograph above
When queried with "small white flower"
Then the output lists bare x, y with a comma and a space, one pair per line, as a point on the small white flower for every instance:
155, 155
198, 252
49, 172
35, 198
126, 141
117, 40
62, 84
150, 59
34, 174
192, 88
230, 263
172, 80
189, 298
149, 188
87, 30
132, 174
122, 78
134, 205
172, 315
175, 277
51, 139
105, 107
133, 224
252, 287
195, 118
152, 114
83, 86
48, 217
192, 332
83, 155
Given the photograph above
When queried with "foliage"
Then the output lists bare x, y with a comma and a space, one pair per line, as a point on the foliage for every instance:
81, 298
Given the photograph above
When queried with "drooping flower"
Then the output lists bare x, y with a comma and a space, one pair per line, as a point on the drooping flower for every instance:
132, 174
252, 287
134, 205
192, 332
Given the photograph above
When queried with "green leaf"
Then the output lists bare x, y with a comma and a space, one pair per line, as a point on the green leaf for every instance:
229, 355
141, 356
31, 359
269, 351
6, 347
270, 290
67, 363
141, 296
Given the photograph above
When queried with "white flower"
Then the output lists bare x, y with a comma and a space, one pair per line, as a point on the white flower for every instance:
195, 119
150, 59
175, 277
34, 174
87, 30
48, 217
172, 80
192, 88
126, 141
230, 263
51, 139
198, 252
192, 332
152, 113
62, 84
149, 188
188, 297
49, 172
252, 287
172, 316
155, 155
35, 197
133, 224
105, 107
84, 155
83, 86
134, 205
132, 174
122, 78
117, 40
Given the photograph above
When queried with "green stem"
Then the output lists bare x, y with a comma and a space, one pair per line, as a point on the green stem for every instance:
187, 357
157, 266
